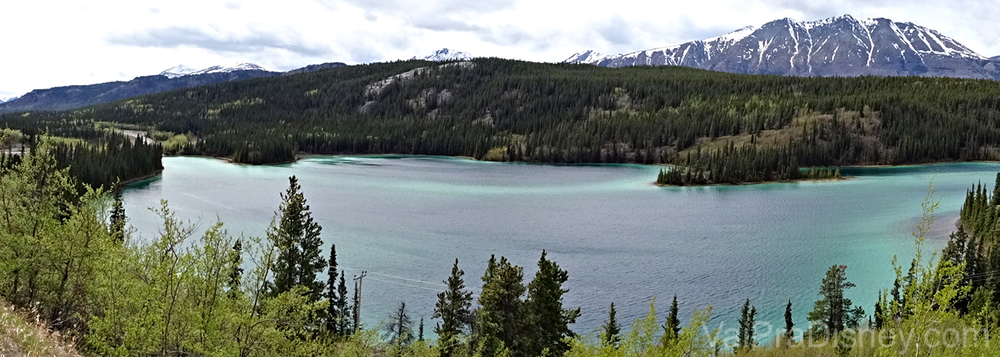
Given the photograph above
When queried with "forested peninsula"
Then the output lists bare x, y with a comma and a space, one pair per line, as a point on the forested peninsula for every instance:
504, 110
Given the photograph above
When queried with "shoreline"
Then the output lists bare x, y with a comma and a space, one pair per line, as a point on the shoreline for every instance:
137, 179
303, 156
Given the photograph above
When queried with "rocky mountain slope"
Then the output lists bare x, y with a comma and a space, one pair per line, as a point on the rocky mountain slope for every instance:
838, 46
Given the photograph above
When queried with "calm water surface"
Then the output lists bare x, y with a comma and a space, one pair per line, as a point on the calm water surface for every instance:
623, 240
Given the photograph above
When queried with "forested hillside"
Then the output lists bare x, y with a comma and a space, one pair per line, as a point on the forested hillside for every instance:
561, 113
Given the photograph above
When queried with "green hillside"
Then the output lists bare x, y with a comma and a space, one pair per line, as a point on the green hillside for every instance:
520, 111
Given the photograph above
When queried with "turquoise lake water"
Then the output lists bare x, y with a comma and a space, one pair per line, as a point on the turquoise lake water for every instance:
623, 240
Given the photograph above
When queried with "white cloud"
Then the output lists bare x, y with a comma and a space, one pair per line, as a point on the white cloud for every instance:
62, 42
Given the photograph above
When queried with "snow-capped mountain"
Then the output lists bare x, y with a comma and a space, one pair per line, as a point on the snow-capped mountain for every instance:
446, 54
4, 100
589, 56
182, 70
838, 46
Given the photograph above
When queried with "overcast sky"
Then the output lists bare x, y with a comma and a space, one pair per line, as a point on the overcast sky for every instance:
49, 43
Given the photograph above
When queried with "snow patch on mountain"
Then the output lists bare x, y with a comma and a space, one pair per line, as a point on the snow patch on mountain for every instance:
589, 56
735, 36
178, 71
447, 54
182, 70
5, 100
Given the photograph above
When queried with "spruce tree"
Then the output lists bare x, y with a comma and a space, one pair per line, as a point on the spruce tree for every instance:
298, 237
548, 320
672, 327
420, 335
235, 269
611, 328
117, 220
500, 315
345, 324
333, 313
833, 312
789, 325
878, 313
746, 332
454, 309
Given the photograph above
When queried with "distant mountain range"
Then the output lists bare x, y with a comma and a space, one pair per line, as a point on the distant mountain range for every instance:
182, 70
73, 97
177, 77
447, 54
838, 46
4, 100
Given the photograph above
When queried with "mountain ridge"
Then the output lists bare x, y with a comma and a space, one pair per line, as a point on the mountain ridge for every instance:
182, 70
836, 46
177, 77
447, 54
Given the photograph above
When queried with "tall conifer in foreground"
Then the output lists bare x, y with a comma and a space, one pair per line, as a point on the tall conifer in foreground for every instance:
746, 332
117, 219
789, 333
611, 330
235, 270
547, 319
345, 325
500, 316
672, 327
454, 309
333, 312
833, 312
298, 240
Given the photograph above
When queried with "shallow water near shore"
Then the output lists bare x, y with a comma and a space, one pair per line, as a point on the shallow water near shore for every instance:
622, 239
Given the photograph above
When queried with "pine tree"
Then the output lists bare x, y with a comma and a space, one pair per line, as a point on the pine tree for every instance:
672, 328
548, 320
833, 312
454, 309
611, 329
117, 219
789, 325
298, 237
333, 313
746, 332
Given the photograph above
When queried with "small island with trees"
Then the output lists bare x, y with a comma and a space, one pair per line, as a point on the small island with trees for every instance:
733, 165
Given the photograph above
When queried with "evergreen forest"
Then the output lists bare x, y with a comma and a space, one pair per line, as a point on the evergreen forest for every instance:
716, 127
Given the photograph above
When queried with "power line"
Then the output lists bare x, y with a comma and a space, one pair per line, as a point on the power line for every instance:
358, 279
